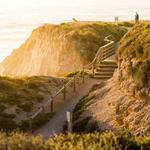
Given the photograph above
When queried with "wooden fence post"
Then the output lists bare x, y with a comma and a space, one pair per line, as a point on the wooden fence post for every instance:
30, 125
93, 67
116, 20
52, 104
74, 83
64, 92
69, 121
83, 79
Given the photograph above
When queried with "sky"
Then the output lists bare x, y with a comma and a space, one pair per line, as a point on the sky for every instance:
60, 7
36, 4
19, 17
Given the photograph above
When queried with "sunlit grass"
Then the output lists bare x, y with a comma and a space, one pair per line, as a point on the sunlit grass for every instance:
94, 141
19, 96
135, 46
85, 37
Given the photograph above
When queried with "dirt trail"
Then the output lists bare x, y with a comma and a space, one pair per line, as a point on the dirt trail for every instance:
55, 125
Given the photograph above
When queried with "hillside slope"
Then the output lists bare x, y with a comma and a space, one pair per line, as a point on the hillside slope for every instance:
133, 58
122, 103
94, 141
22, 97
59, 49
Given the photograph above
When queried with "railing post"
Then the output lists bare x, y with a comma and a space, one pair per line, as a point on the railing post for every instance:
93, 67
52, 104
83, 77
64, 92
30, 125
74, 84
69, 121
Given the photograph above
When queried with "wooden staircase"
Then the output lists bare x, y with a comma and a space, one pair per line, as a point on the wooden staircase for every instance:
105, 69
102, 67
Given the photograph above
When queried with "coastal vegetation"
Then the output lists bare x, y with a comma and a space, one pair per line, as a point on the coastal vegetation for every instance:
21, 97
134, 55
89, 36
85, 125
125, 98
94, 141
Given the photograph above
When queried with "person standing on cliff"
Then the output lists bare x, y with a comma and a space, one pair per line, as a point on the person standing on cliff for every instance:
136, 18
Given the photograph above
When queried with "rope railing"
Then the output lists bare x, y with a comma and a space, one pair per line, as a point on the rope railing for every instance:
104, 52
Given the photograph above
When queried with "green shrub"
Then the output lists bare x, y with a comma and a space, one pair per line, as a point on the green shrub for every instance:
16, 93
94, 141
41, 119
8, 116
2, 108
80, 107
7, 124
26, 106
72, 74
126, 24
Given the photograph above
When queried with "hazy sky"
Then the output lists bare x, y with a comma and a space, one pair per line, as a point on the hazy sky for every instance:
19, 17
69, 6
35, 4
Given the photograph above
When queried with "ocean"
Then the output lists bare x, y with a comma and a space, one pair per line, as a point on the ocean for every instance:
18, 17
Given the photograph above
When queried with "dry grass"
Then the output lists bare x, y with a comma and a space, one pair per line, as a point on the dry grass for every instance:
135, 49
20, 97
86, 37
94, 141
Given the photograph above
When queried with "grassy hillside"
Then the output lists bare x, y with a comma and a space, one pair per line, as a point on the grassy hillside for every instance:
134, 55
85, 37
21, 97
94, 141
89, 36
121, 103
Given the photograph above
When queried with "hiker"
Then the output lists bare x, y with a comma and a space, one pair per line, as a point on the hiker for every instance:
116, 20
136, 18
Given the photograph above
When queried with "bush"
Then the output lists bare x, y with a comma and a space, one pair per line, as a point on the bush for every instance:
80, 107
72, 74
2, 108
7, 124
18, 95
41, 119
94, 141
126, 24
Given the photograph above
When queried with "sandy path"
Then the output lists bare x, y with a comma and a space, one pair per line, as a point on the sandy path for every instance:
55, 125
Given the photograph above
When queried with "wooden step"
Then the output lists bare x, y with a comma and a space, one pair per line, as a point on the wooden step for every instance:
109, 62
104, 73
105, 69
107, 66
102, 77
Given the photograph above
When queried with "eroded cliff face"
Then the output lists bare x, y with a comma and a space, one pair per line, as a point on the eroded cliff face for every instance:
133, 58
44, 53
58, 49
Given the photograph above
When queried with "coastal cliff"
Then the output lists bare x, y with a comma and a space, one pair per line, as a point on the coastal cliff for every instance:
123, 102
55, 50
133, 58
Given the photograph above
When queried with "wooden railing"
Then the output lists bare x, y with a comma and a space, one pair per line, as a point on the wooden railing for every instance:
103, 53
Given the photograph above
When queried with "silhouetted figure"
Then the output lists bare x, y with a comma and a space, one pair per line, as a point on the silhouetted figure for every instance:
136, 18
116, 20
